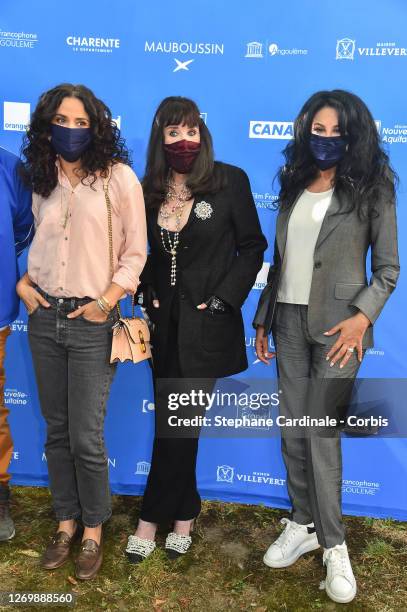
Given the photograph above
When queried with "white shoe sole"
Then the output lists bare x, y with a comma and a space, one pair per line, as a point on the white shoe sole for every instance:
10, 537
287, 561
338, 599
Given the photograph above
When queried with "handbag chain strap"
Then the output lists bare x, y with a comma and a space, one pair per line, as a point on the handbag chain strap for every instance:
110, 233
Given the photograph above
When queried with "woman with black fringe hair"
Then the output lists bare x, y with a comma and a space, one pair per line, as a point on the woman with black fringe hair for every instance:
337, 201
206, 248
78, 168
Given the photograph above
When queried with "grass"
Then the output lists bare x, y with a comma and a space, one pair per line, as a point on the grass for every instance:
222, 572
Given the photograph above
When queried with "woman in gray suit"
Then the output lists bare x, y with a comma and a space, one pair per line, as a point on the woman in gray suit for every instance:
337, 199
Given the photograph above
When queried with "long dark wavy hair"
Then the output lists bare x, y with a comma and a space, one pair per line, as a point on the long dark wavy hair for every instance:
107, 146
206, 175
363, 174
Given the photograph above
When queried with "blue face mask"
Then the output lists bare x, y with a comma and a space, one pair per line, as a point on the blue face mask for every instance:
70, 143
327, 150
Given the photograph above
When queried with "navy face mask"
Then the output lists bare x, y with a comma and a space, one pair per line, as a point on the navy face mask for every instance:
70, 143
327, 150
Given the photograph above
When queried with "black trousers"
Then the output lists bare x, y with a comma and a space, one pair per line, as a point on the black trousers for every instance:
171, 492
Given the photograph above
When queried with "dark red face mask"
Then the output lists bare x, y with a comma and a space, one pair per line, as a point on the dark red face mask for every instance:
182, 154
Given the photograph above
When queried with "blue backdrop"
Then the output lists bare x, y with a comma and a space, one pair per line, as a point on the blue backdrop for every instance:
250, 66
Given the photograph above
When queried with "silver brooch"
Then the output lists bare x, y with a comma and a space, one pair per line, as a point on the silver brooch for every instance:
203, 210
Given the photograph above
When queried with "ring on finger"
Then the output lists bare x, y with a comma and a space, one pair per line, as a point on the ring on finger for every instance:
351, 349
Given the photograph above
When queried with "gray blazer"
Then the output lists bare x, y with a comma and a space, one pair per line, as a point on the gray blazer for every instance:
339, 287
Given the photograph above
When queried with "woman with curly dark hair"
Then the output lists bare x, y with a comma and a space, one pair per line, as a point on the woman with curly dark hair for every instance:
79, 170
337, 201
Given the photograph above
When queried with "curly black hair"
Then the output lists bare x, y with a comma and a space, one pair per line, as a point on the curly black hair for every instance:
364, 174
39, 170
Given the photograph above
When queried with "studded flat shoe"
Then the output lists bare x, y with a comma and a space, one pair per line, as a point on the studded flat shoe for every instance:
177, 545
139, 549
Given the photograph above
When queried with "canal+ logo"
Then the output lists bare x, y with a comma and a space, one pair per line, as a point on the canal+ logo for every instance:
276, 130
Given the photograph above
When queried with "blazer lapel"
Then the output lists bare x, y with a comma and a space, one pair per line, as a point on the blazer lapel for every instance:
192, 216
282, 226
152, 219
331, 220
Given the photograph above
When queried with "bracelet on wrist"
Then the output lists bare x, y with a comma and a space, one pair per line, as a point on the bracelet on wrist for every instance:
102, 306
106, 303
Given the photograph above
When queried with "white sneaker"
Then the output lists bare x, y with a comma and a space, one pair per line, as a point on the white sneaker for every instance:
340, 583
291, 544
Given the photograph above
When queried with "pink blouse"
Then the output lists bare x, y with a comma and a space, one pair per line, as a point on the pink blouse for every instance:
73, 261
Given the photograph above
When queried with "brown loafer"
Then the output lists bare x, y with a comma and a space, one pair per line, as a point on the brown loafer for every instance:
89, 559
58, 550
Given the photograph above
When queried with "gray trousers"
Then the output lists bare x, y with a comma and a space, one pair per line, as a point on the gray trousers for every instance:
312, 455
74, 375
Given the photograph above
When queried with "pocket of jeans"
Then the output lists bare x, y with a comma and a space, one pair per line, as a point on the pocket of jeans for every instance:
97, 323
34, 312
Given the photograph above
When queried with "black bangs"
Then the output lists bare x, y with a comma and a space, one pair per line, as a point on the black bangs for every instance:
205, 177
178, 111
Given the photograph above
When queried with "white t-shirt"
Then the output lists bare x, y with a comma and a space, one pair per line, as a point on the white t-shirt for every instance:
302, 234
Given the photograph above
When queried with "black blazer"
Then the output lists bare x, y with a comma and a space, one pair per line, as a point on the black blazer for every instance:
220, 255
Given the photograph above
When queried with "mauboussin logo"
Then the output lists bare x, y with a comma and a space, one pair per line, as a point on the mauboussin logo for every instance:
183, 49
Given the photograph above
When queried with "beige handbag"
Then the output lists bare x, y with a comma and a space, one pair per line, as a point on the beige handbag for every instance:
131, 335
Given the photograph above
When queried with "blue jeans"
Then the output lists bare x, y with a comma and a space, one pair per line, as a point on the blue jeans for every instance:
74, 374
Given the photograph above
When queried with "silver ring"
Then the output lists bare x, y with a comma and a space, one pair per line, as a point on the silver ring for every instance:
351, 349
